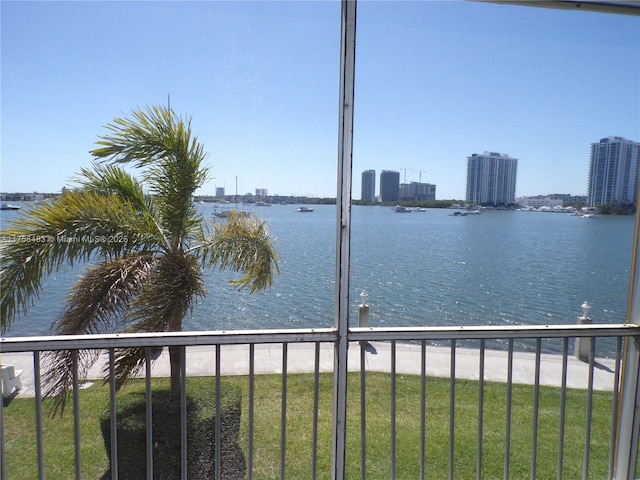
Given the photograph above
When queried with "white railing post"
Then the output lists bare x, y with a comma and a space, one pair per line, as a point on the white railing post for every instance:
583, 344
628, 418
343, 234
363, 311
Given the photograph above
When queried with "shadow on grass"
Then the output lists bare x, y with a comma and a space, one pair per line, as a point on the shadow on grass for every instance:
131, 420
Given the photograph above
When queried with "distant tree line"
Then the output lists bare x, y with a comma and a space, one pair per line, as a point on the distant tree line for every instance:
26, 197
622, 208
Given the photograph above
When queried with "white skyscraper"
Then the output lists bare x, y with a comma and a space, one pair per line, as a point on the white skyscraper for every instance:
491, 179
614, 167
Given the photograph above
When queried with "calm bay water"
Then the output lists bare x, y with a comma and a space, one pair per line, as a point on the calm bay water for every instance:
419, 269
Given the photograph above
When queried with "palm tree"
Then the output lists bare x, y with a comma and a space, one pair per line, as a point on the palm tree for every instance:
145, 244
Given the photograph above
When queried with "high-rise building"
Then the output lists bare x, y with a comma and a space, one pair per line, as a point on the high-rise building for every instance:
368, 186
417, 191
220, 192
261, 192
389, 185
491, 179
613, 171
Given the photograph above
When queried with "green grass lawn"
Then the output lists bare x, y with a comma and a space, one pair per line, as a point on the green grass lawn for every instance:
59, 450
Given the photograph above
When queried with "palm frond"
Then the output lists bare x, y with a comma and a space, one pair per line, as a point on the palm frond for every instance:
165, 299
97, 301
171, 158
142, 140
168, 295
103, 295
61, 232
113, 180
58, 374
242, 244
129, 362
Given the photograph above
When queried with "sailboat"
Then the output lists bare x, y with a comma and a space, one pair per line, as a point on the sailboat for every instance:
224, 213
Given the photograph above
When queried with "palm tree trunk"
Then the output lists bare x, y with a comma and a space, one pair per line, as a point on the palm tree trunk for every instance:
175, 362
175, 355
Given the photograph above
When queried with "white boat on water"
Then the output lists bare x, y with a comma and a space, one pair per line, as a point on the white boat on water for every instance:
220, 212
8, 206
401, 209
304, 210
225, 212
584, 213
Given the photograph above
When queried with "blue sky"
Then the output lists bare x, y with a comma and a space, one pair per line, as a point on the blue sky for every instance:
435, 82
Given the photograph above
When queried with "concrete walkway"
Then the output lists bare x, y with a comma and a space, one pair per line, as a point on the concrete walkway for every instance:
301, 359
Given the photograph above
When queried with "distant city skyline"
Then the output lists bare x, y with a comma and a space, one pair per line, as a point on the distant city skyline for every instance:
491, 178
434, 81
392, 189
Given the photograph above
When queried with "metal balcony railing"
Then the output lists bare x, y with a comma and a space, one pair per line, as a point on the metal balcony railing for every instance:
459, 355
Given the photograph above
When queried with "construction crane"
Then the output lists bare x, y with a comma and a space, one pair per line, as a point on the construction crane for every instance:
405, 170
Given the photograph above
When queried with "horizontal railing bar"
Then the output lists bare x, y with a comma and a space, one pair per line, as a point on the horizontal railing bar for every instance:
363, 334
162, 339
243, 337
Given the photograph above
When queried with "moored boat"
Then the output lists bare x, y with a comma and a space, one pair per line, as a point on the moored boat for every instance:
401, 209
220, 212
8, 206
225, 212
